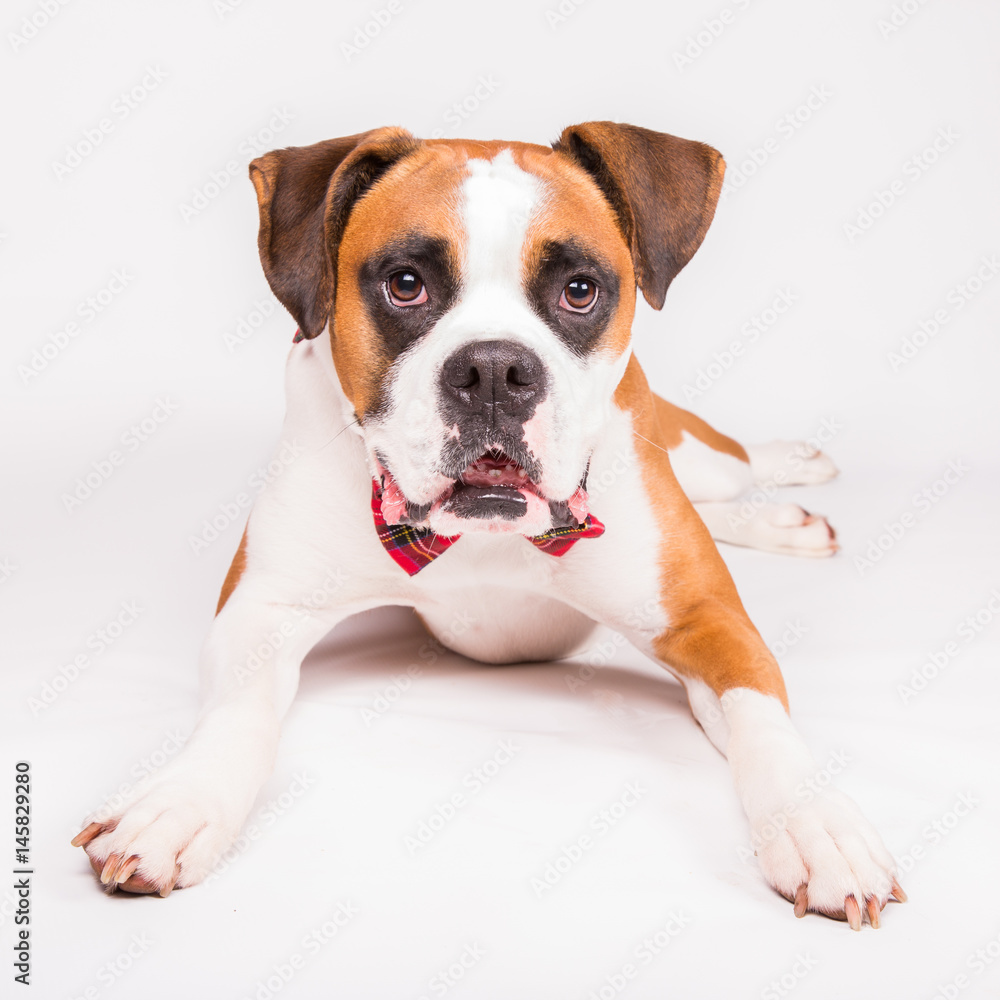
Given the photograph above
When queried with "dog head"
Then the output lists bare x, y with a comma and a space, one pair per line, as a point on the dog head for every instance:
479, 297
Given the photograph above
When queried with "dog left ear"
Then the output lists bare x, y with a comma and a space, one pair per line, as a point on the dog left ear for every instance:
663, 189
305, 195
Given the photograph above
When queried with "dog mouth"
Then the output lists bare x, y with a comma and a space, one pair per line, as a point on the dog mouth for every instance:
494, 492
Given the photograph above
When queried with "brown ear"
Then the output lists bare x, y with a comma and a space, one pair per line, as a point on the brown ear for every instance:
664, 190
305, 195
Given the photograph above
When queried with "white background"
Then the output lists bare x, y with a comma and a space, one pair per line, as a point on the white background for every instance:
862, 630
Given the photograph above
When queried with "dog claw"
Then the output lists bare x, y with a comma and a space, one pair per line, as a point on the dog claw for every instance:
801, 900
118, 868
169, 887
853, 913
111, 864
871, 905
126, 870
87, 834
897, 892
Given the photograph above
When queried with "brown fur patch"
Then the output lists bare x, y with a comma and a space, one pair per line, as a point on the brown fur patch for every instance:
710, 636
664, 190
673, 421
236, 569
576, 210
420, 194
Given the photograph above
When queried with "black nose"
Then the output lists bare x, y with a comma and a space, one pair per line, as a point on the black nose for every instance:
494, 377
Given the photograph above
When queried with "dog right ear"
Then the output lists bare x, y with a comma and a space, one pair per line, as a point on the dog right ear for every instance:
305, 195
663, 190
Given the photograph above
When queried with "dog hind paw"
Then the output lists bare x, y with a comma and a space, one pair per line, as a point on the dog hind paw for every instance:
790, 463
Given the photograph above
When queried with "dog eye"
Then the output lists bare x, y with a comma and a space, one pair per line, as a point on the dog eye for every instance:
579, 295
406, 288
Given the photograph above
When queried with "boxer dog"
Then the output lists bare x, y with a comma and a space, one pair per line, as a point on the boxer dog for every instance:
462, 371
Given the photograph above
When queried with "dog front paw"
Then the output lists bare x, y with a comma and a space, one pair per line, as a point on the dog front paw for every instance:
170, 837
826, 857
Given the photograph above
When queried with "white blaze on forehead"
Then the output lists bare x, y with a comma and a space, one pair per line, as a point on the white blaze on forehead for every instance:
499, 202
500, 199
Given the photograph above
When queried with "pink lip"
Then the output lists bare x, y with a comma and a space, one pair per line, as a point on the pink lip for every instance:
491, 469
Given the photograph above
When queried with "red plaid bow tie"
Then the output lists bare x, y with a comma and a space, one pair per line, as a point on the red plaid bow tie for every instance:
413, 548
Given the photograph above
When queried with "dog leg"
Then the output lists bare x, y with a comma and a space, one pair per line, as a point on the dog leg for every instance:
709, 466
715, 472
789, 463
784, 528
175, 825
813, 844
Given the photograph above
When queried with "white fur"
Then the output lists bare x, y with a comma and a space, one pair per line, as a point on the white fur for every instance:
707, 474
789, 463
715, 482
707, 709
802, 830
785, 528
499, 202
313, 558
